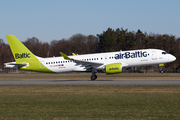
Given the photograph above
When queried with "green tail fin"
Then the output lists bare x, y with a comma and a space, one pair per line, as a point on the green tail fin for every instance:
20, 52
25, 57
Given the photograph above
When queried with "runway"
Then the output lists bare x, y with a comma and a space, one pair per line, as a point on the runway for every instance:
84, 79
89, 82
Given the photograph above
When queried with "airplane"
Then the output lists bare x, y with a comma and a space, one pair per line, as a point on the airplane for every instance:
109, 62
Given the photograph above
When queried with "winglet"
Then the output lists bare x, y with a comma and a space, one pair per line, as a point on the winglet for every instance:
73, 54
64, 56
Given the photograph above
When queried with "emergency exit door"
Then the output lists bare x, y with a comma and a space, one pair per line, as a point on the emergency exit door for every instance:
154, 55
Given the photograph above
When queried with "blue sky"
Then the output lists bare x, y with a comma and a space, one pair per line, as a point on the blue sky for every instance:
50, 20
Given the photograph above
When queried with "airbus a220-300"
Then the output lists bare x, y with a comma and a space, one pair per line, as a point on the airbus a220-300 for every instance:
109, 62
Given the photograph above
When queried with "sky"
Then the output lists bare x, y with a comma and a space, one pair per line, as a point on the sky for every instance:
50, 20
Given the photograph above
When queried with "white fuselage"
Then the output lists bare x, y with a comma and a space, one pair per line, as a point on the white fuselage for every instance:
98, 61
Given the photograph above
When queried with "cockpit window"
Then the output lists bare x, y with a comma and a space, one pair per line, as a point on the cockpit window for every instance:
164, 53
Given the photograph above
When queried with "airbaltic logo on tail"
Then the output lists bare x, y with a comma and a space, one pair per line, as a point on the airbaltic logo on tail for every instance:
23, 55
136, 54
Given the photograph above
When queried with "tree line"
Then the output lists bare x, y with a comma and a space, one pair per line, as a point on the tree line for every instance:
107, 41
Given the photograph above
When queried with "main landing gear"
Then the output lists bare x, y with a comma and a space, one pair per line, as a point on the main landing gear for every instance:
93, 77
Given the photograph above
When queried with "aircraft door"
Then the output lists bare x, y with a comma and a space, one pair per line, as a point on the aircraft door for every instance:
41, 65
154, 55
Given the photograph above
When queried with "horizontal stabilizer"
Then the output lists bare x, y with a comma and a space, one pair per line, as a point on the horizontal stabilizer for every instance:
13, 65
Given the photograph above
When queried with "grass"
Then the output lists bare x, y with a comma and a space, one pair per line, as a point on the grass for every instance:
89, 102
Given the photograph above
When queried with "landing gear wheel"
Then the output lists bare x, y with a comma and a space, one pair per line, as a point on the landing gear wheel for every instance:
93, 77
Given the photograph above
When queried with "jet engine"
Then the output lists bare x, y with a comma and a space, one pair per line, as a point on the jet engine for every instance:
113, 68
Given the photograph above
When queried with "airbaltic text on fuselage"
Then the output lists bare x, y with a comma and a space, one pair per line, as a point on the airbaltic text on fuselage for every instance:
22, 55
135, 54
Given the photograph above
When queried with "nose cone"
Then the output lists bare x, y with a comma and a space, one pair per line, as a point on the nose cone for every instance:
172, 58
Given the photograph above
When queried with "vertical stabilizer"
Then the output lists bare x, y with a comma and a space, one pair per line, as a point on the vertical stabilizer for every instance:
25, 59
20, 51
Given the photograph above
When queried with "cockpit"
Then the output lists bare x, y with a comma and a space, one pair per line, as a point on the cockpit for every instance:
164, 53
168, 56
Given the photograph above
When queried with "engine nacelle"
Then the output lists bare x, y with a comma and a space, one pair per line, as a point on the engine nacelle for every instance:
113, 68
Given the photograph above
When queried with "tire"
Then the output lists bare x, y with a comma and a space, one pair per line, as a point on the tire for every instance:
93, 77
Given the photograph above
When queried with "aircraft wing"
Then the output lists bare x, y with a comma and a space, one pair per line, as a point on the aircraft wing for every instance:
86, 62
83, 63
